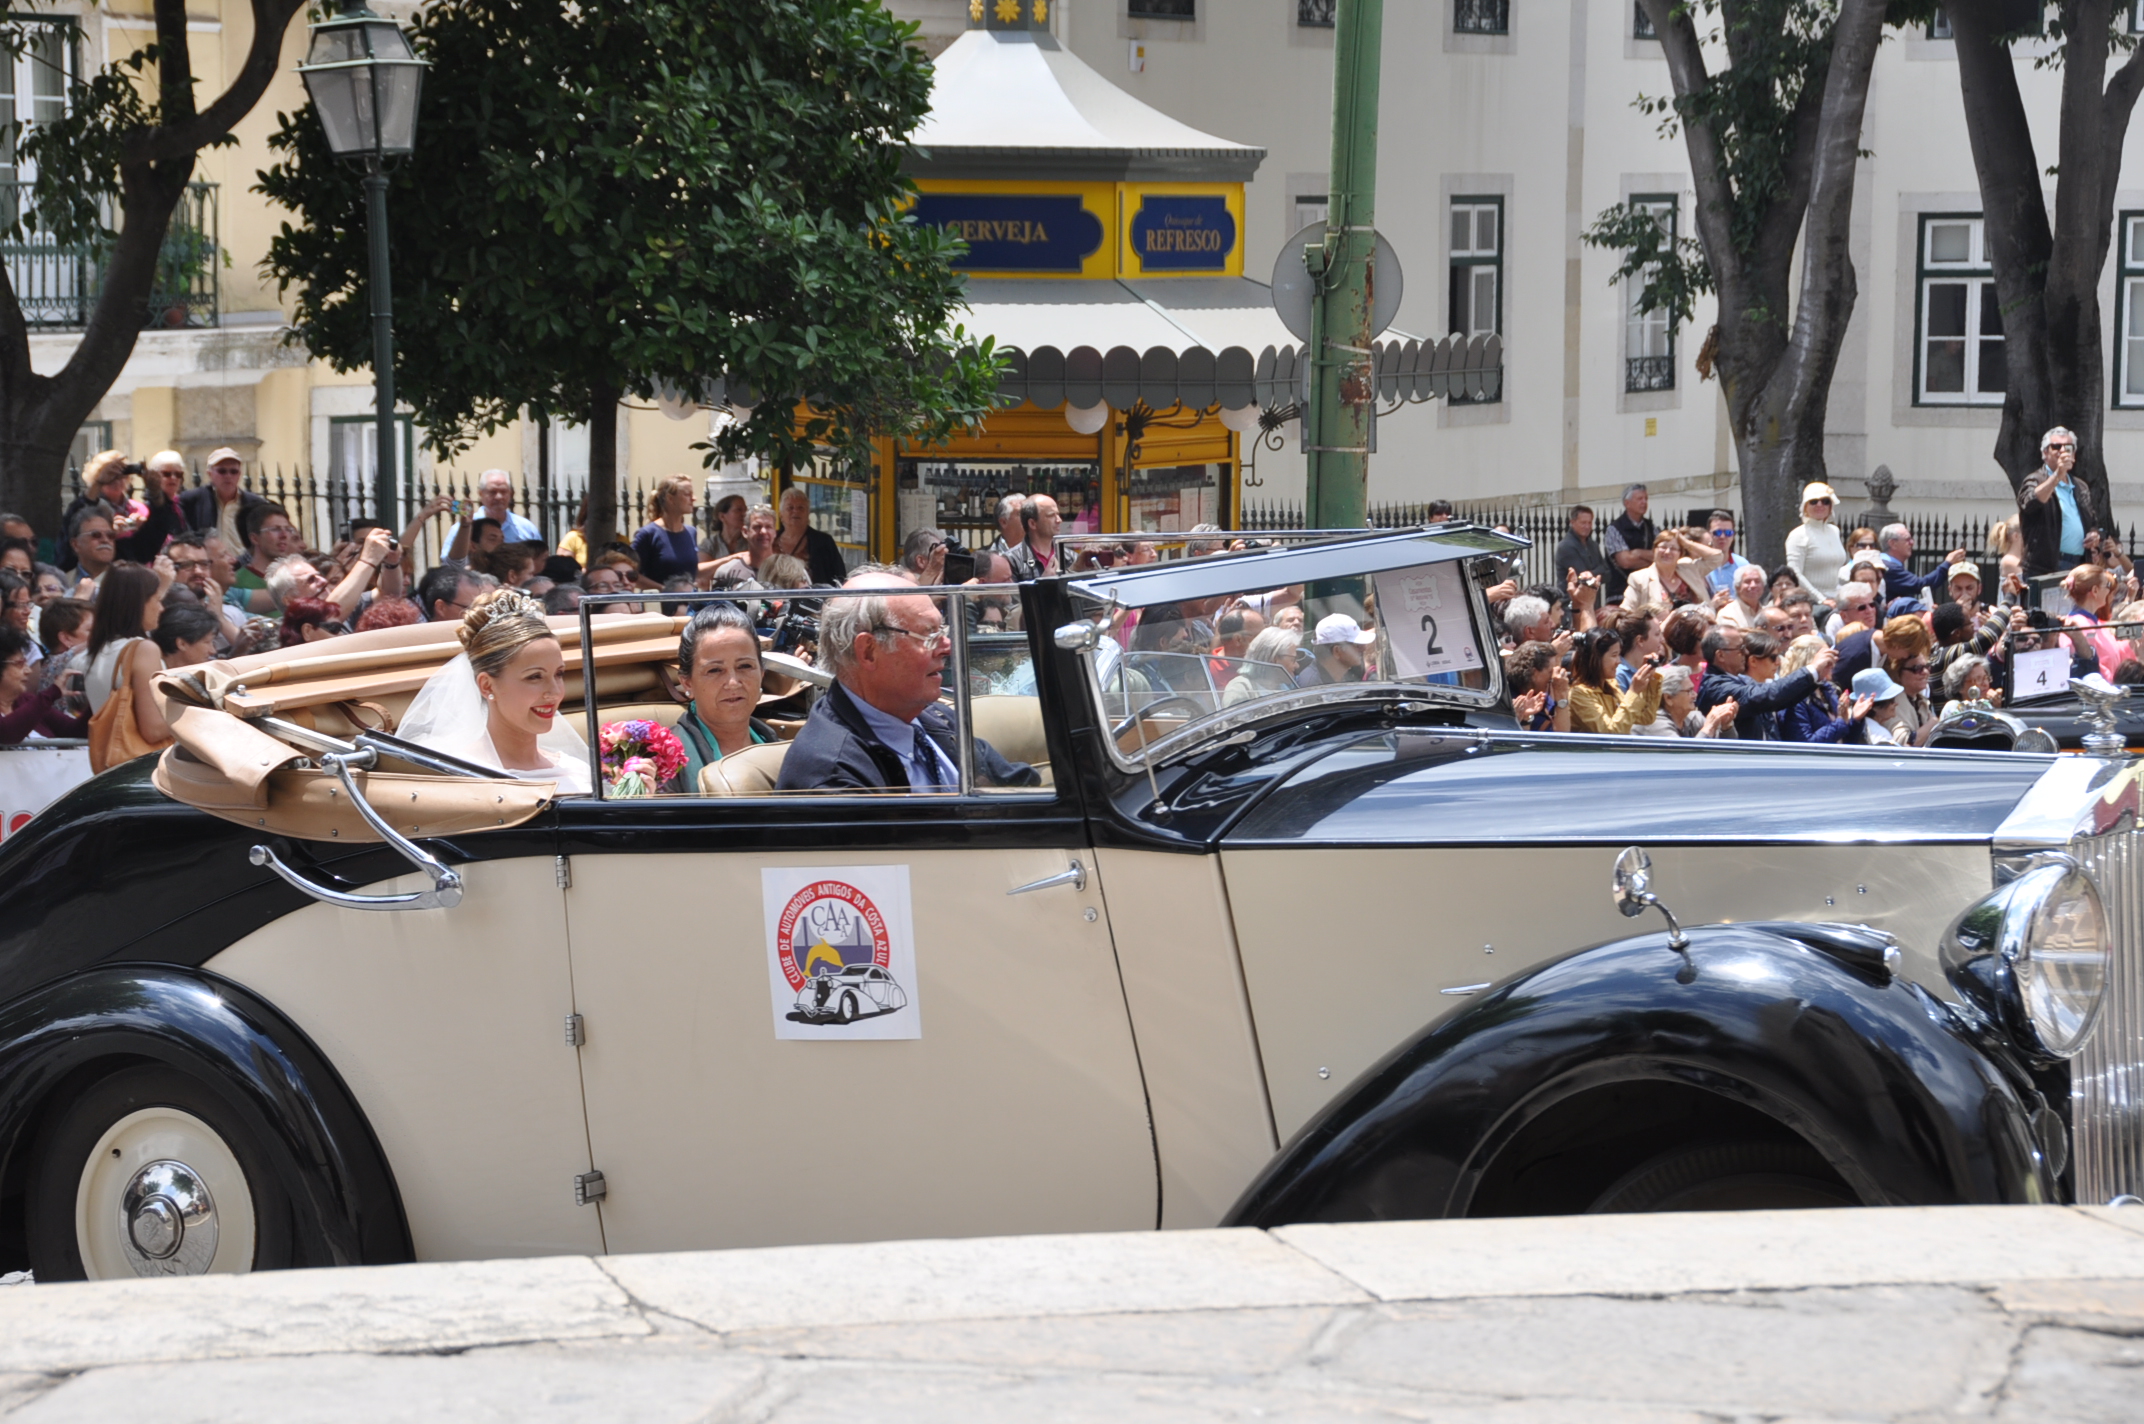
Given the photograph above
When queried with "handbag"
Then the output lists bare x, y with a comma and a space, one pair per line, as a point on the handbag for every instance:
114, 736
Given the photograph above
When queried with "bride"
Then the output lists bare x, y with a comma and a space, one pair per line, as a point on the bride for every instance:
497, 704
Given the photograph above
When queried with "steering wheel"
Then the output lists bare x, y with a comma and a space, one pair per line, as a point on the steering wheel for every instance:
1197, 710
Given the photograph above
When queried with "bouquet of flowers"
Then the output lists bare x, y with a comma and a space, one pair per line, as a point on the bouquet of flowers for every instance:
639, 756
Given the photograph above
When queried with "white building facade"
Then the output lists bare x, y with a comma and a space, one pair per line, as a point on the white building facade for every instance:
1506, 128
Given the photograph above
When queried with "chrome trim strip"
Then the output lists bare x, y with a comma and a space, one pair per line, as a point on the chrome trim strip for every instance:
1212, 576
2107, 1075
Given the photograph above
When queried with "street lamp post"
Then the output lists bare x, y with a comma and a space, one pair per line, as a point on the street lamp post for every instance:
365, 81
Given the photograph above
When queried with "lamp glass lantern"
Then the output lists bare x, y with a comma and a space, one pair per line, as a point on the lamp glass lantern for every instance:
365, 82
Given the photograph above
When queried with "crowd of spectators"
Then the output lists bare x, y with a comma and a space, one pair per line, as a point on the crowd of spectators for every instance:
1644, 630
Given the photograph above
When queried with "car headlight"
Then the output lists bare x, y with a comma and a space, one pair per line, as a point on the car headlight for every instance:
2033, 958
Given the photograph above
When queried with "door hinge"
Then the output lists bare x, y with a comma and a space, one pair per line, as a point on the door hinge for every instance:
587, 1188
576, 1031
565, 873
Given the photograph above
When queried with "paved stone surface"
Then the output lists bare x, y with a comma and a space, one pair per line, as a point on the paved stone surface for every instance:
1916, 1316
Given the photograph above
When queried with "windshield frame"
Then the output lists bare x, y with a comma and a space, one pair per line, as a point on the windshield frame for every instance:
1350, 554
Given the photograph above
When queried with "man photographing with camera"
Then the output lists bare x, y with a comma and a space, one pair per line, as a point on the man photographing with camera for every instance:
2055, 511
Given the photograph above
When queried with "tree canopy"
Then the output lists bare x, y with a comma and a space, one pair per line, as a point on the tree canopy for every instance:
620, 199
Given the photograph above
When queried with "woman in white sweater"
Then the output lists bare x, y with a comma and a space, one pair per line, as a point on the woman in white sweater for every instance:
1815, 551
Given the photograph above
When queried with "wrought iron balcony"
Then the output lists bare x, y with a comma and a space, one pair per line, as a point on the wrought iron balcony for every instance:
1162, 9
1315, 14
1649, 373
57, 285
1481, 17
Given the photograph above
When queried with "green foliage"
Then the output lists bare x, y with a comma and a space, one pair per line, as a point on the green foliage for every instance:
628, 197
1673, 270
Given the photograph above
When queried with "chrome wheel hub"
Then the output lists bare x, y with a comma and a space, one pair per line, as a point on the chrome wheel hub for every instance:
167, 1218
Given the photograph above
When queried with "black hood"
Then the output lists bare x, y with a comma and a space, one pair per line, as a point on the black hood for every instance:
1467, 787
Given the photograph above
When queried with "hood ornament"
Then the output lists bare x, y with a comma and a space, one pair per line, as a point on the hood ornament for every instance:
2099, 697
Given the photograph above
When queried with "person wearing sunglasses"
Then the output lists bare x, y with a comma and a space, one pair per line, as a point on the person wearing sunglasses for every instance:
1720, 535
1908, 659
2055, 511
1814, 550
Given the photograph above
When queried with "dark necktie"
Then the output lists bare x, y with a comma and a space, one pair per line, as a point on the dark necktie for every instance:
926, 772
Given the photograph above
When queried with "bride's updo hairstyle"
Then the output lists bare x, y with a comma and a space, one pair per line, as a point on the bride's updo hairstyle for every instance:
498, 625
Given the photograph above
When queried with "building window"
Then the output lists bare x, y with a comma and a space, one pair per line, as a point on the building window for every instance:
1939, 25
1163, 9
353, 458
1641, 24
2129, 292
1481, 17
1959, 340
1649, 337
93, 438
1311, 208
1477, 268
1315, 14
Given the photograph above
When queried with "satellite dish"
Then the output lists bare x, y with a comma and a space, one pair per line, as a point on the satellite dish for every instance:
1291, 283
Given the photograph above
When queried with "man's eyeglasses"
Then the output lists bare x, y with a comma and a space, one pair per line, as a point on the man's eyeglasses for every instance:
1913, 667
1723, 533
936, 634
187, 566
2060, 449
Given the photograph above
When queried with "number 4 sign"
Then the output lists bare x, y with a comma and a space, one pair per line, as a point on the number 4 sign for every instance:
1424, 613
2041, 673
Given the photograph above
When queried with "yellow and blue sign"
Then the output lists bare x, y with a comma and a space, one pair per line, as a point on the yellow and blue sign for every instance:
1189, 233
1017, 232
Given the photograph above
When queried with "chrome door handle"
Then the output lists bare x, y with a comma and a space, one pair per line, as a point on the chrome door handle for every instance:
1076, 877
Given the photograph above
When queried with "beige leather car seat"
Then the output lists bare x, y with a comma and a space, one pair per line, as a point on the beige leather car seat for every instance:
751, 772
1014, 726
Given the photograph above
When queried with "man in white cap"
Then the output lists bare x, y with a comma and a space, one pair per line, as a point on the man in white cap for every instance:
1962, 581
218, 504
1338, 642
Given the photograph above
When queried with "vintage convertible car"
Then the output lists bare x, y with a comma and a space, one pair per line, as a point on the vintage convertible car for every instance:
1255, 947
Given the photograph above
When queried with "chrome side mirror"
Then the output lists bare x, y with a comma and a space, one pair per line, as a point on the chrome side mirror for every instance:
1079, 637
1632, 888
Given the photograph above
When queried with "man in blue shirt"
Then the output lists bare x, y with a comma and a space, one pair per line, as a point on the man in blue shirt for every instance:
495, 498
1899, 581
2056, 513
1720, 533
881, 726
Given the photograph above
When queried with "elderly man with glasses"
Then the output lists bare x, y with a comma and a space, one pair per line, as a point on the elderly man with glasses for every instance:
2056, 513
219, 504
881, 726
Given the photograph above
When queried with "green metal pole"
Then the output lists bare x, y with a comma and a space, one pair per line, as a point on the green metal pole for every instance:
1343, 387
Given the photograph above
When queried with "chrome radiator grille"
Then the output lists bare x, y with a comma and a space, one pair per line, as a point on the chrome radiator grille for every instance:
2107, 1078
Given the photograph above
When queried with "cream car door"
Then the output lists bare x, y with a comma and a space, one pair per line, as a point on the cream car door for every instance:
814, 1019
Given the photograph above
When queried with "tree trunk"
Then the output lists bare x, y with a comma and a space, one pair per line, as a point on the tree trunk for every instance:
2047, 271
602, 470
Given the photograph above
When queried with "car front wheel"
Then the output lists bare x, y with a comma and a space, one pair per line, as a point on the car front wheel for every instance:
149, 1172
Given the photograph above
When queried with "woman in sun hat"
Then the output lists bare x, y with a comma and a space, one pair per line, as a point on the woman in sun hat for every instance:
1814, 550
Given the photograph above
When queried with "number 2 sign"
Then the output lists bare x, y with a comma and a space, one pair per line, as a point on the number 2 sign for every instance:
1424, 611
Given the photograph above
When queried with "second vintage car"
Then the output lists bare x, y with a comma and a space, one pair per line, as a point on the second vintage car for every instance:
1315, 936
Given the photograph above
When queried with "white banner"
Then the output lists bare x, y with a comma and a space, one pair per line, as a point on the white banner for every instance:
841, 952
33, 775
1424, 614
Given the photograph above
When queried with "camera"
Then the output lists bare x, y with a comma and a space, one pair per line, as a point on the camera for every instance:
959, 563
135, 467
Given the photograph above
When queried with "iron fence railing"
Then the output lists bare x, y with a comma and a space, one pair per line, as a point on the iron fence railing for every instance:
1545, 525
1649, 373
1315, 14
57, 284
1481, 17
323, 506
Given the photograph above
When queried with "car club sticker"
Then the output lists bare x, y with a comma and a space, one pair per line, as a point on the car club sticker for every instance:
841, 952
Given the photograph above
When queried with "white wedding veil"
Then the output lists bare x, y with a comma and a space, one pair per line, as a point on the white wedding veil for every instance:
448, 715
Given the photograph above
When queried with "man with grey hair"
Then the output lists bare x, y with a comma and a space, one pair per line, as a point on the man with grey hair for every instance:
1010, 533
495, 501
293, 576
881, 726
2057, 515
1895, 543
1627, 543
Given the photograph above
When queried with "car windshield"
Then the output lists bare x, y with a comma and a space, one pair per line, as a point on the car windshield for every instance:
1199, 635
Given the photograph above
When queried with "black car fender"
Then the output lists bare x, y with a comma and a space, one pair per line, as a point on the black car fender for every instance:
65, 1034
1752, 1027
